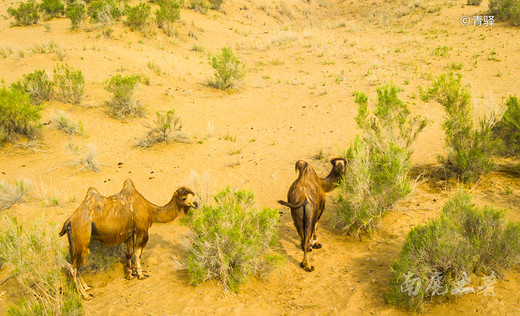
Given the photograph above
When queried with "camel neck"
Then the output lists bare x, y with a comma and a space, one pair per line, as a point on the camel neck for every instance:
166, 213
330, 182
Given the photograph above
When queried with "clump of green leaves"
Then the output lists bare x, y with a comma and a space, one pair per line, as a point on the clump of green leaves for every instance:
506, 10
440, 256
104, 11
165, 128
137, 16
474, 2
169, 12
216, 4
18, 115
200, 6
123, 102
62, 122
37, 258
231, 240
75, 11
69, 83
52, 8
37, 84
377, 162
470, 145
229, 70
25, 14
508, 128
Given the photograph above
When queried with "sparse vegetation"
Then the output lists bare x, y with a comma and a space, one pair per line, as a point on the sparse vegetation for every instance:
470, 148
62, 122
230, 240
104, 12
169, 12
38, 260
161, 130
70, 83
506, 10
137, 16
200, 6
75, 11
25, 14
215, 4
377, 163
229, 70
18, 115
52, 8
102, 258
123, 103
508, 128
87, 161
37, 85
474, 2
12, 193
439, 257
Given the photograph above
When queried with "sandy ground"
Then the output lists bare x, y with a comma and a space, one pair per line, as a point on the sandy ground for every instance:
303, 62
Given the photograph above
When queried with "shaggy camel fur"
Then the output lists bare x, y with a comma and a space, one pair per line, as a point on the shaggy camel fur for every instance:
306, 198
336, 174
125, 217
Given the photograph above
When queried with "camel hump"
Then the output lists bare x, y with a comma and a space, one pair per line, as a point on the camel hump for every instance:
128, 184
92, 192
300, 165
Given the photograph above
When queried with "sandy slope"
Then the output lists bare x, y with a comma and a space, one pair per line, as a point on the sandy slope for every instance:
302, 69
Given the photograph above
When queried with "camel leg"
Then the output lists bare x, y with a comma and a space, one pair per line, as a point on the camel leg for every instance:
139, 269
308, 228
314, 242
79, 240
128, 253
80, 284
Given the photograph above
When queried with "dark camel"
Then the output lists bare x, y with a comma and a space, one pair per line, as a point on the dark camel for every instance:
306, 198
125, 217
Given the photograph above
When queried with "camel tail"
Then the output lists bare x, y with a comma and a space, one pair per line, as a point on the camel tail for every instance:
65, 227
290, 204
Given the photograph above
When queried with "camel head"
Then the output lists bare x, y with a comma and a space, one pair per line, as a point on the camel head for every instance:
186, 199
339, 165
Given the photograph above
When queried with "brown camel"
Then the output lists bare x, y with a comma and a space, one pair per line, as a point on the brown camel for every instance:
336, 174
125, 217
306, 198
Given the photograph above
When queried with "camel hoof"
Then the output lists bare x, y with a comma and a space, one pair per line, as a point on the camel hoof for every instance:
143, 276
130, 277
88, 297
302, 265
88, 288
309, 270
316, 246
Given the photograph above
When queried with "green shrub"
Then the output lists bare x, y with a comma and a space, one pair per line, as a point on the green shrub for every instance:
104, 11
18, 115
463, 241
103, 258
474, 2
169, 12
215, 4
76, 13
25, 14
62, 122
230, 240
377, 163
161, 129
228, 69
52, 8
508, 128
137, 16
37, 85
70, 83
200, 6
506, 10
12, 193
37, 257
470, 148
123, 102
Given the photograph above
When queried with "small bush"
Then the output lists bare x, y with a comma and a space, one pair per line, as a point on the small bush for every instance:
230, 240
137, 16
52, 8
228, 69
123, 102
37, 85
87, 161
508, 128
62, 122
169, 12
38, 258
200, 6
12, 193
25, 14
446, 251
474, 2
76, 13
104, 12
506, 10
378, 162
70, 83
215, 4
18, 115
161, 129
470, 148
